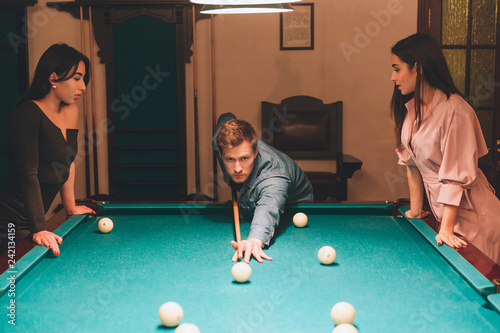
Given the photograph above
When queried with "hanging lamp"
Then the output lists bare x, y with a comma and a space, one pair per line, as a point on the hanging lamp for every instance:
241, 2
246, 9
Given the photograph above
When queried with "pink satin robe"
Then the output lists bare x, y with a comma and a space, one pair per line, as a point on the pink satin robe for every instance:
445, 149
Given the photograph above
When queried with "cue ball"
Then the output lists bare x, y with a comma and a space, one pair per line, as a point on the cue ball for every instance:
170, 314
327, 255
345, 328
300, 220
241, 272
105, 225
187, 328
343, 312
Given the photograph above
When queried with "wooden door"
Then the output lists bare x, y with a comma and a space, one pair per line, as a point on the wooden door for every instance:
145, 46
147, 140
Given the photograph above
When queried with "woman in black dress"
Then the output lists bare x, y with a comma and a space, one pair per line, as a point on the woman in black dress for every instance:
42, 142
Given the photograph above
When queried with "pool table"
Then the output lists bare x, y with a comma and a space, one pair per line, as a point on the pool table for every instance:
388, 267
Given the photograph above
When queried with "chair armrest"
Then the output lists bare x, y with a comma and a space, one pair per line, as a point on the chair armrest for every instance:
347, 165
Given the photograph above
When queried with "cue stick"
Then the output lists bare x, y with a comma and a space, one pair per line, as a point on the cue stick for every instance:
195, 100
92, 94
214, 107
237, 223
85, 133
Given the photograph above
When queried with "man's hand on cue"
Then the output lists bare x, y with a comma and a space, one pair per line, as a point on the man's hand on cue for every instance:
249, 247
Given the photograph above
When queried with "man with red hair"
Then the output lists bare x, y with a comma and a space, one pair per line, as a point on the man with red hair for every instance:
266, 179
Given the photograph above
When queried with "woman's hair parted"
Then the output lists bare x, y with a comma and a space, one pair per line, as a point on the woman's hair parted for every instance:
234, 132
61, 59
424, 52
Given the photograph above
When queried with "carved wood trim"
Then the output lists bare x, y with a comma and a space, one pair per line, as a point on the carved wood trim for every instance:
165, 14
103, 13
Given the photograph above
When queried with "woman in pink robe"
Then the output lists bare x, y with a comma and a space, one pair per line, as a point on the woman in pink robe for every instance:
439, 139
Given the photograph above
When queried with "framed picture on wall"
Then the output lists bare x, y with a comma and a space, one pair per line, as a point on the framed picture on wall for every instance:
297, 28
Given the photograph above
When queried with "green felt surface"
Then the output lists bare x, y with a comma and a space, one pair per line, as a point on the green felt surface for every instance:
116, 282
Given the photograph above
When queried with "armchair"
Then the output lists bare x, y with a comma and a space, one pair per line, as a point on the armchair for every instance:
305, 128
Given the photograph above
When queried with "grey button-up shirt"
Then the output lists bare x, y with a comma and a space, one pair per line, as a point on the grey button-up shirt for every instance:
275, 181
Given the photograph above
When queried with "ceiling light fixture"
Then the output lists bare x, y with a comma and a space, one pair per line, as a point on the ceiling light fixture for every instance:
246, 9
241, 2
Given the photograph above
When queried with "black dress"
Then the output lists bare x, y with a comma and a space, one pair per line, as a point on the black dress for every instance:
42, 159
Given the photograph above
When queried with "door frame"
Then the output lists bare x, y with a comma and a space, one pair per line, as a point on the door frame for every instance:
429, 21
104, 14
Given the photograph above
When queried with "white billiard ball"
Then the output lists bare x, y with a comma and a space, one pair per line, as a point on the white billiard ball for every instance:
300, 220
345, 328
327, 255
343, 313
170, 314
105, 225
241, 272
187, 328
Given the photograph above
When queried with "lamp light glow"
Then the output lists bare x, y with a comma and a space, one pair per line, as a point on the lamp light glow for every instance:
246, 9
241, 2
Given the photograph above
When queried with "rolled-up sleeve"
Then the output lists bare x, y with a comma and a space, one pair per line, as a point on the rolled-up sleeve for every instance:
272, 199
404, 156
462, 143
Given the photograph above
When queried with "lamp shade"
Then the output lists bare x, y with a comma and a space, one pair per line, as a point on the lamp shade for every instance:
241, 2
246, 9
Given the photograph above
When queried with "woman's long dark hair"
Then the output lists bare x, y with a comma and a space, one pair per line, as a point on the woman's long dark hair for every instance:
424, 52
61, 59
